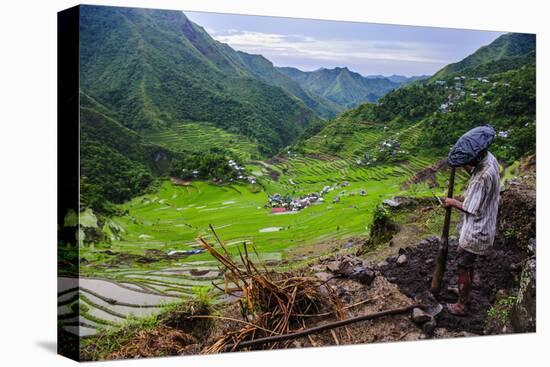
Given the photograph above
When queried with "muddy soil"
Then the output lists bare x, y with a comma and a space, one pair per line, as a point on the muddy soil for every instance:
496, 271
427, 175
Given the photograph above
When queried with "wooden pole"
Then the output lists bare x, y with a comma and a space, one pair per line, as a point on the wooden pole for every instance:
441, 260
317, 329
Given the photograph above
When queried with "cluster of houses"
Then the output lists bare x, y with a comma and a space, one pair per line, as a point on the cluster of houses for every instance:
390, 146
240, 172
280, 203
286, 203
367, 160
459, 90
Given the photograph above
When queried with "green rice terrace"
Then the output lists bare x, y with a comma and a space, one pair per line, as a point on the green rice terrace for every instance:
182, 137
154, 259
193, 136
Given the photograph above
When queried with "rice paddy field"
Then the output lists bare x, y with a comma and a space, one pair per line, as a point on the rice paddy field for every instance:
157, 260
196, 136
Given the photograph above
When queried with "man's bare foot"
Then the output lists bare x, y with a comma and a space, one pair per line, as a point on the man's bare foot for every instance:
456, 309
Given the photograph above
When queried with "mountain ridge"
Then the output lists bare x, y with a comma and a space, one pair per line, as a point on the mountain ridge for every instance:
507, 47
345, 87
155, 67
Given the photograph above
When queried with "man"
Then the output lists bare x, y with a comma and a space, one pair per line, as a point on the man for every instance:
480, 208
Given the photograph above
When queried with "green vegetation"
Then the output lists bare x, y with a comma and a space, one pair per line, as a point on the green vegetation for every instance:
500, 310
115, 165
210, 164
445, 107
199, 137
168, 114
343, 87
506, 52
155, 68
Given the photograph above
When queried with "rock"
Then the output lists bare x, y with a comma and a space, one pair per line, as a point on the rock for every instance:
432, 239
429, 261
364, 276
402, 259
532, 246
382, 264
524, 312
391, 203
429, 327
333, 266
324, 276
367, 264
419, 316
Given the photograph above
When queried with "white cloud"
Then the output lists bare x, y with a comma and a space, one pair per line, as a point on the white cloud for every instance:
331, 50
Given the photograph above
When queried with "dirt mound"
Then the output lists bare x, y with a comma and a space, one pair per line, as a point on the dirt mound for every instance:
498, 270
427, 174
277, 160
517, 215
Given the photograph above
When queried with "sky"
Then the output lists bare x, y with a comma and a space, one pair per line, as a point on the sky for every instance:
367, 48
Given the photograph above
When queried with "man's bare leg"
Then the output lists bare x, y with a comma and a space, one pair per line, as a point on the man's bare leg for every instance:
464, 288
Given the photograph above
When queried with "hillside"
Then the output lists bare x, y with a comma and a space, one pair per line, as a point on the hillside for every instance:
156, 68
115, 163
506, 52
439, 112
264, 70
344, 87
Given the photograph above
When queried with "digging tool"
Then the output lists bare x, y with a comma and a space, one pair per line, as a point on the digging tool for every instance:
441, 260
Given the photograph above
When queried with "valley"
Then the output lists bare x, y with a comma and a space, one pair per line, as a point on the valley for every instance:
184, 138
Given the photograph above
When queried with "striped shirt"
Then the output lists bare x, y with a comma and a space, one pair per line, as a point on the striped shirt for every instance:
481, 206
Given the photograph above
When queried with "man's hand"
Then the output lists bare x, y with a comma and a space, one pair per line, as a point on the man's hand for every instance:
452, 203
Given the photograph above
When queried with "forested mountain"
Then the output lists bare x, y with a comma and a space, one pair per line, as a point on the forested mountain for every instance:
115, 163
155, 67
264, 70
506, 52
496, 86
344, 87
159, 96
